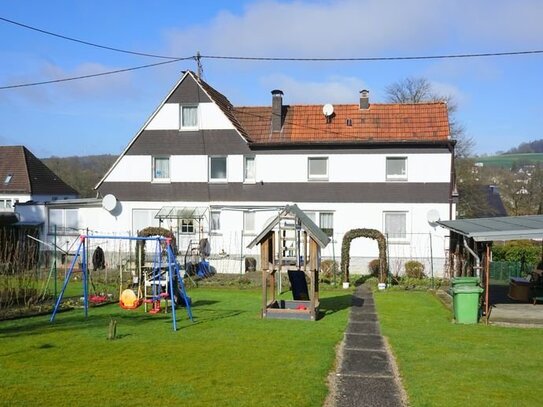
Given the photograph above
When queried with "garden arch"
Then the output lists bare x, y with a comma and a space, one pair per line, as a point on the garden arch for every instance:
346, 248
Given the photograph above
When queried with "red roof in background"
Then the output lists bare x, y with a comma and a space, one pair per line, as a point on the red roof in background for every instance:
28, 174
349, 123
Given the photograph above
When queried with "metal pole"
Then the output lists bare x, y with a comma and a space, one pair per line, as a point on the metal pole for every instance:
170, 278
431, 260
241, 255
487, 282
85, 278
55, 260
66, 279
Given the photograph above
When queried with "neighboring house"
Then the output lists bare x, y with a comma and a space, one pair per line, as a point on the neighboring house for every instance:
201, 166
23, 178
494, 201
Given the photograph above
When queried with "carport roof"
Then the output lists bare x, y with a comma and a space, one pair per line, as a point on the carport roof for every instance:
499, 228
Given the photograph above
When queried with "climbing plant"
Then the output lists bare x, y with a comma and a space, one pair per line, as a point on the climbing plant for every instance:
152, 231
346, 248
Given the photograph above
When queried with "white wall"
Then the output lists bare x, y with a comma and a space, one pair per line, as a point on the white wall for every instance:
287, 168
210, 117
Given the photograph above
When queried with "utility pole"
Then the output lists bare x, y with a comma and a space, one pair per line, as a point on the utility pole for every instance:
199, 65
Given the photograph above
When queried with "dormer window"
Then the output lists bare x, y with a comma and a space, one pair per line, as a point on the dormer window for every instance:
189, 117
8, 178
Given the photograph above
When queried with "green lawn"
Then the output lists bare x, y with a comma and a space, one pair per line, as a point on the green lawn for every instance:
506, 160
227, 357
444, 364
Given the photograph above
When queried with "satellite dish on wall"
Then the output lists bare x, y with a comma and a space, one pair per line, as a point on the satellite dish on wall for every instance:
328, 110
109, 202
432, 216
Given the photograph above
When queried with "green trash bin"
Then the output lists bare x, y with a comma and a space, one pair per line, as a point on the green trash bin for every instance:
466, 304
471, 281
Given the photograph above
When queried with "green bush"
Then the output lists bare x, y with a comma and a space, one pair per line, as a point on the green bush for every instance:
372, 282
517, 251
414, 269
374, 267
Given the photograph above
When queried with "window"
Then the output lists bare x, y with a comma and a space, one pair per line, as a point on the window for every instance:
395, 225
396, 168
161, 168
7, 204
248, 222
217, 169
215, 221
317, 168
326, 223
65, 220
249, 174
189, 117
187, 225
8, 178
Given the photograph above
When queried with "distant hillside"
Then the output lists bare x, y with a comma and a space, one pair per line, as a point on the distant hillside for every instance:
82, 173
510, 161
530, 147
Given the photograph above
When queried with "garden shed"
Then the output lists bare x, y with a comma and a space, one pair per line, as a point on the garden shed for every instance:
291, 241
471, 241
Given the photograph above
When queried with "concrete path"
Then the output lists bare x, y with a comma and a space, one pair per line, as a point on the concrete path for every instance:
366, 375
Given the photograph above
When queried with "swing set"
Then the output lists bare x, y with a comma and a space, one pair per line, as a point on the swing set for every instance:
128, 298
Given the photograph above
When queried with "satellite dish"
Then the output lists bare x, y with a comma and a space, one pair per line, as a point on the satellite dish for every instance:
328, 110
109, 202
432, 216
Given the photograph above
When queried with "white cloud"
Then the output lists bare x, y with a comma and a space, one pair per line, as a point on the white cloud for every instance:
335, 89
301, 28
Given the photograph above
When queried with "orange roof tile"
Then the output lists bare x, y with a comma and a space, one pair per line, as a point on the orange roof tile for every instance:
349, 123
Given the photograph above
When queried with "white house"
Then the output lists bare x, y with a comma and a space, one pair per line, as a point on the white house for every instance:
200, 166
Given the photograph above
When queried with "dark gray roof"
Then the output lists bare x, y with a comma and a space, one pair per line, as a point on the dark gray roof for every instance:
307, 224
500, 228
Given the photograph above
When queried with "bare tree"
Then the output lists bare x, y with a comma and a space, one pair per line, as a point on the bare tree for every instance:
419, 90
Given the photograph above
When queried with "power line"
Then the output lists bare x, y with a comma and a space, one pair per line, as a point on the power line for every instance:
294, 59
92, 44
23, 85
397, 58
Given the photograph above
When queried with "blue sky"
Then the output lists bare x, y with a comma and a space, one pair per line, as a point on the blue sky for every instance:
499, 98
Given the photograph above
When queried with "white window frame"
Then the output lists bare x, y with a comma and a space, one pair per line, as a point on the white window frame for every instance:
246, 216
211, 158
189, 127
187, 226
396, 177
161, 179
64, 228
388, 235
317, 177
249, 180
329, 231
212, 227
4, 204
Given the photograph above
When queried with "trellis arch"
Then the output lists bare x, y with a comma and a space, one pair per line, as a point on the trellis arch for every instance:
346, 248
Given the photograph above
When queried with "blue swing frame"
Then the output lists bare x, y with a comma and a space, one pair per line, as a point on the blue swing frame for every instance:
173, 268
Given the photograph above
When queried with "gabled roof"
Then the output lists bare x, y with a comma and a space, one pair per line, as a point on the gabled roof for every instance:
26, 174
349, 123
500, 228
307, 224
218, 98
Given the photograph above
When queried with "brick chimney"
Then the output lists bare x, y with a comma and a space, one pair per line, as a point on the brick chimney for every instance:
277, 109
364, 99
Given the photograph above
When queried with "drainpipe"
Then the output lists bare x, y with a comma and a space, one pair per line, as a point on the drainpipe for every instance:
477, 260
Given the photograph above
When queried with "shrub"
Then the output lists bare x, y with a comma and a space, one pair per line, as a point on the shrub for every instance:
372, 282
328, 268
517, 251
374, 267
414, 269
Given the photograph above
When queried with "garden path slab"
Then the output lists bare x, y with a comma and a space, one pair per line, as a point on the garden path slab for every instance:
366, 375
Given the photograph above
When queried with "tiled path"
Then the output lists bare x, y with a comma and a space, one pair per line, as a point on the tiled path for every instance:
365, 376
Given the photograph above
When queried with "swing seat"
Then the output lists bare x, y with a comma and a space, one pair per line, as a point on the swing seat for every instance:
129, 300
98, 299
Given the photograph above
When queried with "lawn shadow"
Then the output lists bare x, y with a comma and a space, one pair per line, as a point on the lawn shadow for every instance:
331, 305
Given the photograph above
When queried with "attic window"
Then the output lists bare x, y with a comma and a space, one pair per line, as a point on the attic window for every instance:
189, 117
8, 178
